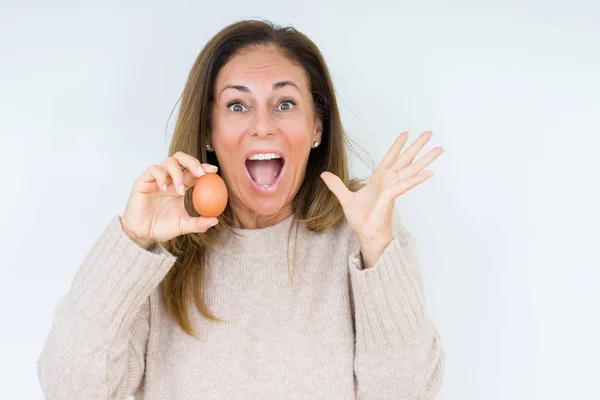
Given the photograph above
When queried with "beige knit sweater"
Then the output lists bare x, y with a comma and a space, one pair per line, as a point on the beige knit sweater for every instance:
341, 332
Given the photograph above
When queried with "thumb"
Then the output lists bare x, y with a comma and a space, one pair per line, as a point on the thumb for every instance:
337, 187
197, 224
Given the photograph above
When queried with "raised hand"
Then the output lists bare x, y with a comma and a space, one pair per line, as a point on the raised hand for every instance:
155, 211
369, 210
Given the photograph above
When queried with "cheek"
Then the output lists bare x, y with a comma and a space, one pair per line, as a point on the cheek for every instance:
226, 140
226, 137
298, 137
226, 133
298, 133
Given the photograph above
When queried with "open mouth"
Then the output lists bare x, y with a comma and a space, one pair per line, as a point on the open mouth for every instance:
264, 170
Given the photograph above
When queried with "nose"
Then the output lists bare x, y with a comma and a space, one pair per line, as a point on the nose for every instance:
264, 124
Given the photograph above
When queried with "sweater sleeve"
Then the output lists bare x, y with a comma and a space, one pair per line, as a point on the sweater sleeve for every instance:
398, 352
97, 343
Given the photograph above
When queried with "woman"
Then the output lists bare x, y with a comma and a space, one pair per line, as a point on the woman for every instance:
353, 325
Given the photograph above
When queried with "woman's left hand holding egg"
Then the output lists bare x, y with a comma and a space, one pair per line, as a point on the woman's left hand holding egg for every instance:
369, 210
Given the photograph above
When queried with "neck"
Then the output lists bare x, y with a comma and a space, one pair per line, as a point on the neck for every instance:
247, 219
257, 243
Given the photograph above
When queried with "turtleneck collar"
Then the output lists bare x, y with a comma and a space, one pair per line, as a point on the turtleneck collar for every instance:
261, 242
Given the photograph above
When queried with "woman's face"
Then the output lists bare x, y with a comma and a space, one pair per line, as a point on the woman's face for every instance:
262, 108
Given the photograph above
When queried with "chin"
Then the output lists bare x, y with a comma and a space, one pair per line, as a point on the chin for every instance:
266, 207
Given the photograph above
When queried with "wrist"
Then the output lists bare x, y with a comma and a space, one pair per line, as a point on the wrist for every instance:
375, 243
371, 250
142, 242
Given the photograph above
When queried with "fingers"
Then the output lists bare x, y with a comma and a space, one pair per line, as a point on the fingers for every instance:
424, 161
409, 155
197, 224
192, 164
209, 168
193, 169
153, 177
407, 184
181, 169
174, 170
337, 187
392, 155
190, 180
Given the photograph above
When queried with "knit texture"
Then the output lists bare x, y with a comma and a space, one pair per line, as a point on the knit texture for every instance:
339, 332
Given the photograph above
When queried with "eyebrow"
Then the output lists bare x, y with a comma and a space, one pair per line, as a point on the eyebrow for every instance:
276, 86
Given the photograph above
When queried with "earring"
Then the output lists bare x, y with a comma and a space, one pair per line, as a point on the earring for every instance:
315, 144
208, 147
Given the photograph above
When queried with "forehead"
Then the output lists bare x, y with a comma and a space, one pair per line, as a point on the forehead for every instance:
261, 65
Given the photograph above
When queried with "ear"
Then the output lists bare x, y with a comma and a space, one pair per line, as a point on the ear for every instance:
318, 129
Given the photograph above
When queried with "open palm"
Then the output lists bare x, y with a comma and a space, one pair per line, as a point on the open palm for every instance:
369, 210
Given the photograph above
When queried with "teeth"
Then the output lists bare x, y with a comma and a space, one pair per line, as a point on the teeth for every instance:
263, 156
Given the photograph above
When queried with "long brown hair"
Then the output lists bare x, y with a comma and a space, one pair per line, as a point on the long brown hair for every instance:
314, 204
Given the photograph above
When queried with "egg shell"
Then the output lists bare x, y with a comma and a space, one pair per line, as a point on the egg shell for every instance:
210, 195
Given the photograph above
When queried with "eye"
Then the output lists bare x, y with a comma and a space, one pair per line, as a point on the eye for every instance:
286, 105
236, 106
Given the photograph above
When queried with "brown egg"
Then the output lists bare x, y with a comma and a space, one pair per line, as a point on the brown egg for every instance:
210, 195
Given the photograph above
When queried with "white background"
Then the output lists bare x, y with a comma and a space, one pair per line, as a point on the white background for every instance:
507, 229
